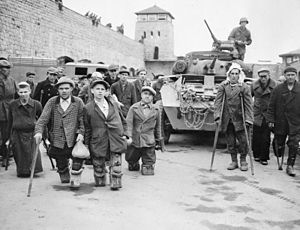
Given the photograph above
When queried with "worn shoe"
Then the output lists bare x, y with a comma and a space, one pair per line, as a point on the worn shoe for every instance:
264, 162
233, 165
100, 181
256, 159
134, 167
64, 176
290, 170
244, 166
75, 179
147, 170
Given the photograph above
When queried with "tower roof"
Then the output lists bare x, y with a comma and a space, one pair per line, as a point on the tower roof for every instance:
154, 10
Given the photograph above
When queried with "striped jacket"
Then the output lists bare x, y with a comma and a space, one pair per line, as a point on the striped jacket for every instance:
63, 126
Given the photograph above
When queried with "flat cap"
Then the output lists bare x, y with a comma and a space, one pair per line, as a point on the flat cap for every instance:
5, 63
52, 70
23, 84
124, 70
65, 80
150, 89
98, 81
244, 20
290, 69
140, 70
263, 69
113, 67
30, 73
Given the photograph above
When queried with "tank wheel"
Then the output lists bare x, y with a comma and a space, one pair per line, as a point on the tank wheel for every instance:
166, 127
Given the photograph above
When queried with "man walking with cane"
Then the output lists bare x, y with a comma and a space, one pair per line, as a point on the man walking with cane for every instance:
284, 116
232, 122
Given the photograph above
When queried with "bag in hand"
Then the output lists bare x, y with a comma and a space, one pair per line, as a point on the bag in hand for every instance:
80, 150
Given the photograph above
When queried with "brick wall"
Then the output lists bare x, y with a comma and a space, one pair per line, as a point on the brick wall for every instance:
40, 29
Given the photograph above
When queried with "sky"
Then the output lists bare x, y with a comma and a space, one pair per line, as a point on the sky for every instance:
274, 24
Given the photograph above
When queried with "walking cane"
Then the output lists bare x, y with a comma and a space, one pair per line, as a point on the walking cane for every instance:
217, 134
7, 156
276, 153
36, 151
247, 137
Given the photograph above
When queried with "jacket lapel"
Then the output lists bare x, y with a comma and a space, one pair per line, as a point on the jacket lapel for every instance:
98, 110
70, 108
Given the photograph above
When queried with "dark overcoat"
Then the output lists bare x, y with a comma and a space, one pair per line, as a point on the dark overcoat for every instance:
232, 105
8, 91
284, 109
261, 100
138, 89
144, 130
127, 96
104, 134
64, 125
44, 91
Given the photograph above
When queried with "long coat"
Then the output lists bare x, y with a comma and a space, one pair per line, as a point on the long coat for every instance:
127, 96
144, 130
284, 109
261, 100
104, 134
44, 91
8, 90
232, 105
138, 89
64, 125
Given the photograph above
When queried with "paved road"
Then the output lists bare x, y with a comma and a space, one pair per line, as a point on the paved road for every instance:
183, 194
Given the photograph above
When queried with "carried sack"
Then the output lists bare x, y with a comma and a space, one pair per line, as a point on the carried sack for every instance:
80, 150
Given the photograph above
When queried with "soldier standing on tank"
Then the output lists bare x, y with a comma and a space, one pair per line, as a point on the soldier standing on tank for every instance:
235, 92
284, 116
241, 37
46, 89
261, 89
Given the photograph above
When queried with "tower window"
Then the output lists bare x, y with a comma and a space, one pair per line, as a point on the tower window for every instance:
158, 33
162, 17
152, 17
145, 34
156, 52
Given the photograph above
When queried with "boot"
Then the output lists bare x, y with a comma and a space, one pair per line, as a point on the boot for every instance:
134, 167
233, 165
244, 166
75, 179
115, 181
290, 170
100, 181
64, 175
147, 170
115, 171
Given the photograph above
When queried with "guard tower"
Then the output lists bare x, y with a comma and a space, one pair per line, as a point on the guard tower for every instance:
154, 29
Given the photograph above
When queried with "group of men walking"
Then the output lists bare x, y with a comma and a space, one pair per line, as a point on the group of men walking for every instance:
100, 124
275, 109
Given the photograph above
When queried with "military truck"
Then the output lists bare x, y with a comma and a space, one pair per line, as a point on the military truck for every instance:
188, 94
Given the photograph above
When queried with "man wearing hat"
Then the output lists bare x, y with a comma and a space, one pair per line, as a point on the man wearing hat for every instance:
30, 80
124, 91
46, 89
8, 90
140, 82
242, 37
23, 114
112, 74
284, 116
261, 89
63, 114
105, 131
144, 127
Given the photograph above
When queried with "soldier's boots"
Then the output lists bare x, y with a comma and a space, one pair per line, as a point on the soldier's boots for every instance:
116, 171
147, 170
134, 167
64, 175
233, 165
75, 178
290, 170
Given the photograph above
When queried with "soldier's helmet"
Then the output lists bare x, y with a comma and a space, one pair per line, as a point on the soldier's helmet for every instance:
5, 64
244, 20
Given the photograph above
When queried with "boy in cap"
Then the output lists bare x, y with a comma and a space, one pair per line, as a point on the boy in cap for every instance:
241, 37
23, 114
8, 90
144, 127
105, 134
261, 89
29, 79
64, 116
284, 116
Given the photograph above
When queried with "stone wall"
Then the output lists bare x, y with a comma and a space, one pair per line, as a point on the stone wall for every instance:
39, 29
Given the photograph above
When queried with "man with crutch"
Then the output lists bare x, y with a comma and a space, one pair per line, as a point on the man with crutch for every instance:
284, 116
236, 96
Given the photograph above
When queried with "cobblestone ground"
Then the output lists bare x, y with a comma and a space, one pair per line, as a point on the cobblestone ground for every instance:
183, 194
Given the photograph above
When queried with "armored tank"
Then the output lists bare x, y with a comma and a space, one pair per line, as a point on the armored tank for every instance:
188, 94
